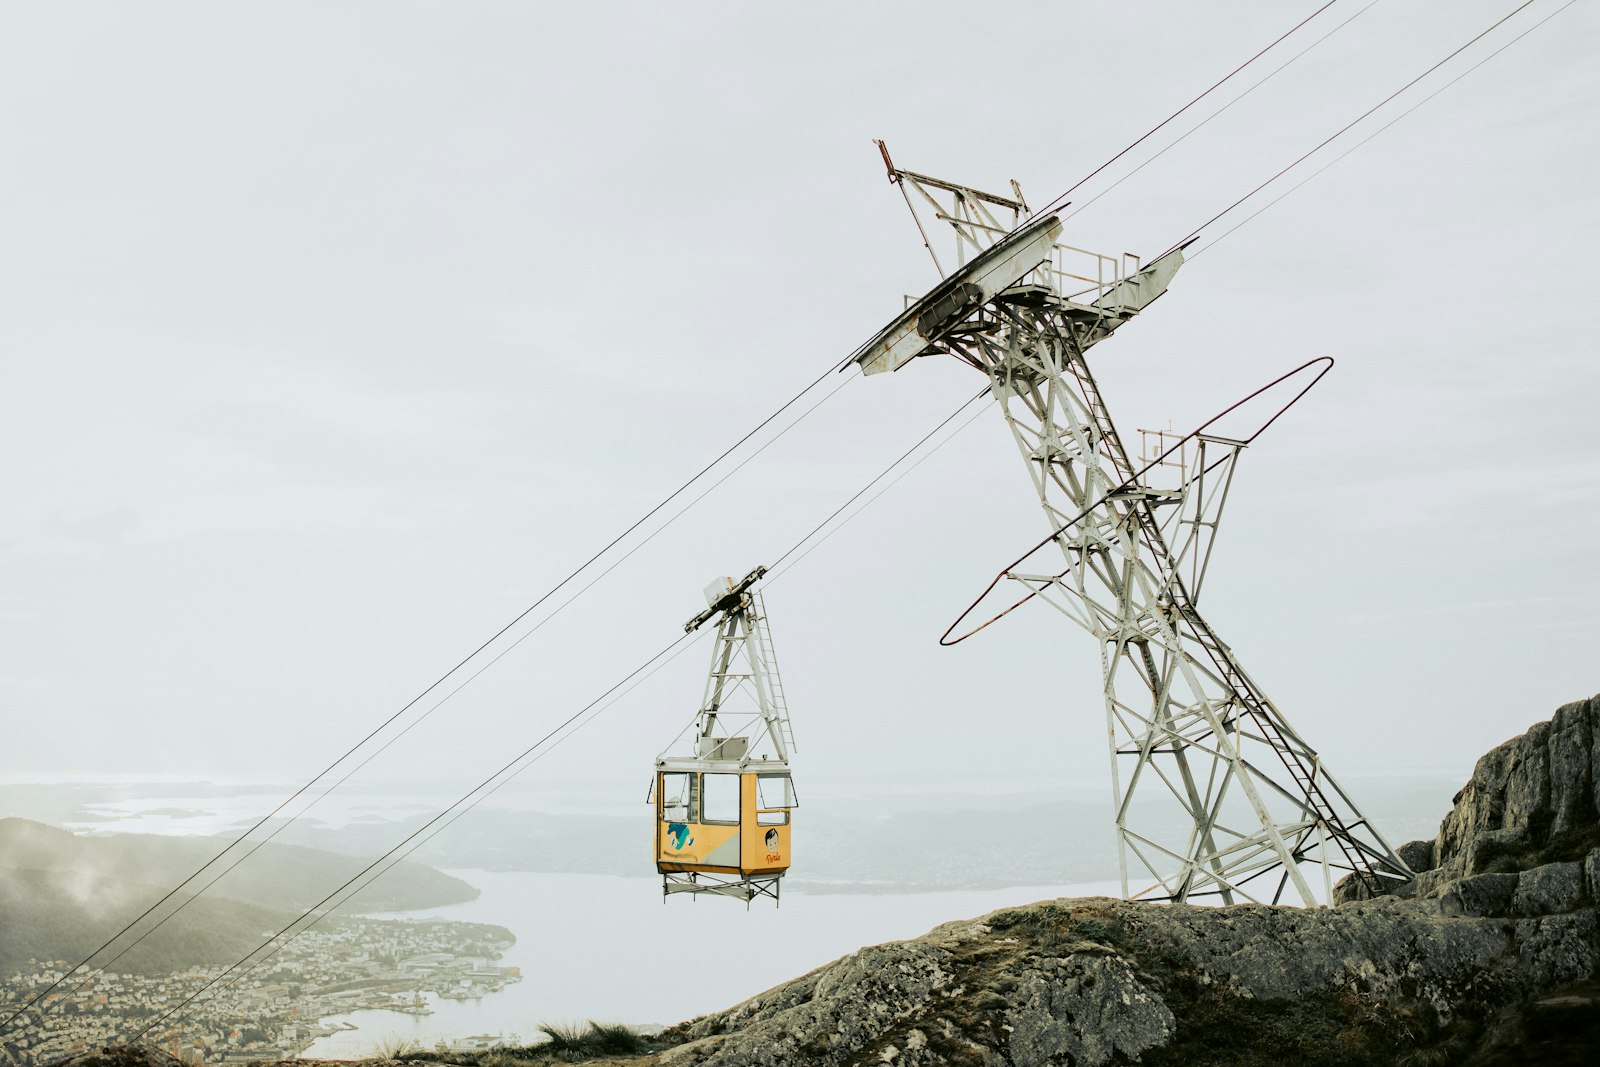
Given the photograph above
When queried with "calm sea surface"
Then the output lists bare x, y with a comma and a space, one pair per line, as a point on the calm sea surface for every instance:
607, 948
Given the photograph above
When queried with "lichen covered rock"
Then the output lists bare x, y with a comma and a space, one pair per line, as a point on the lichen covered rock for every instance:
1531, 801
1083, 1010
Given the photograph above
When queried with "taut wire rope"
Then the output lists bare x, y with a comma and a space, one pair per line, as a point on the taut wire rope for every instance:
1206, 121
1058, 201
732, 448
511, 769
1214, 241
321, 775
1347, 126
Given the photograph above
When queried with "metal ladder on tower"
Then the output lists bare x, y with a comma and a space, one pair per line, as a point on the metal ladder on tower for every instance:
774, 677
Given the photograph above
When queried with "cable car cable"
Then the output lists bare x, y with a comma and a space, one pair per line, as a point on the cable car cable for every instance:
587, 563
981, 393
1205, 121
278, 810
947, 420
1345, 128
1213, 242
415, 833
548, 742
1057, 202
892, 483
275, 812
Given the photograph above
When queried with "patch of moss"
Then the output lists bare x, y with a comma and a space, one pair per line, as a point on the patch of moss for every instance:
1055, 929
1559, 1029
1573, 843
1323, 1029
1537, 847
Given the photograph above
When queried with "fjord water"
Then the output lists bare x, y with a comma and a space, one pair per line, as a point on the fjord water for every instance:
607, 948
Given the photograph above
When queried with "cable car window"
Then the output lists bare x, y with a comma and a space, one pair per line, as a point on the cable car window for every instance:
677, 791
719, 794
772, 818
774, 791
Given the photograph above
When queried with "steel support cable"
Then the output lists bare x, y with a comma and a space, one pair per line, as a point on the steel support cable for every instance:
740, 442
1205, 121
859, 493
890, 485
1058, 201
418, 720
1213, 242
587, 563
321, 775
1193, 234
547, 743
465, 798
775, 571
583, 717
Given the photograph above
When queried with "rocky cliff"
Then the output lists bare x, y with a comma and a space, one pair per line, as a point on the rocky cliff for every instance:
1523, 835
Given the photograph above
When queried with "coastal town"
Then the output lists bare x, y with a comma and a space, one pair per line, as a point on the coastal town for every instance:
272, 1012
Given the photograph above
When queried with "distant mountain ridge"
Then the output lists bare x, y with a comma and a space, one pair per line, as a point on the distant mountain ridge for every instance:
62, 894
277, 876
59, 915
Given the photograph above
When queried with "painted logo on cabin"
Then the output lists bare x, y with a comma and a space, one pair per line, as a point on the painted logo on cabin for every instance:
772, 840
678, 834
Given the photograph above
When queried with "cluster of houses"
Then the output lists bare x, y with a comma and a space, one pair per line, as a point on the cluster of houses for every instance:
273, 1012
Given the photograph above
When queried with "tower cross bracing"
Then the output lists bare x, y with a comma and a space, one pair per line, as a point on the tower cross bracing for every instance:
1216, 794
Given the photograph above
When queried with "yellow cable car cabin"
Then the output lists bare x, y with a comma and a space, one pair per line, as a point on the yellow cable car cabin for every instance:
724, 812
731, 823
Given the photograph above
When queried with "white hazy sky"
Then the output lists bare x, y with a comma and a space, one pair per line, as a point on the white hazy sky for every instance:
334, 334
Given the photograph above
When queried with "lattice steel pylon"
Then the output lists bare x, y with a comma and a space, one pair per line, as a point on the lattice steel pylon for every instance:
1215, 793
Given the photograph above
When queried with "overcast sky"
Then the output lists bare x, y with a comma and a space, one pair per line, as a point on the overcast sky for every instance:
335, 334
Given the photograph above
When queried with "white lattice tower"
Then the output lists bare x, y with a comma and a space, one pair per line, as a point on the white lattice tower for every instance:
1215, 792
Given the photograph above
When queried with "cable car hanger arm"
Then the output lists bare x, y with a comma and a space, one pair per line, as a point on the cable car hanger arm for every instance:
728, 600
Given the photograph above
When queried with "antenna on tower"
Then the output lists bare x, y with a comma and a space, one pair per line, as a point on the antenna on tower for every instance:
1216, 794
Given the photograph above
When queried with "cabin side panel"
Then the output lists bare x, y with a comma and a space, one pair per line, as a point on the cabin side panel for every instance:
766, 845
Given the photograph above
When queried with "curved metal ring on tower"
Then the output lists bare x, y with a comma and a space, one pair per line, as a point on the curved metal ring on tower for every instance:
1164, 459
